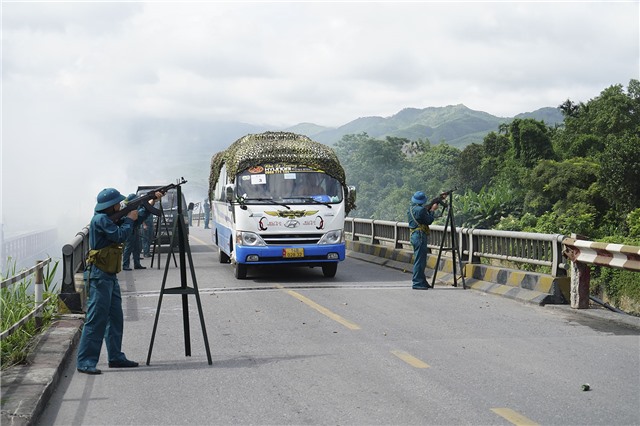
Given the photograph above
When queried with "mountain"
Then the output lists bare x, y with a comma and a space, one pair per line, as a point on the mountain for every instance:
307, 129
549, 115
455, 125
186, 146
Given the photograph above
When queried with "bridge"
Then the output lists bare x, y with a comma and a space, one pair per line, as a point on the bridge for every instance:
293, 347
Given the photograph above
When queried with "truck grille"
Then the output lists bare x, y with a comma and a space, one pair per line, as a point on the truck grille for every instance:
291, 239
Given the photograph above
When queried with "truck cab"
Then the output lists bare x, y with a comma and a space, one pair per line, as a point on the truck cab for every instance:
279, 198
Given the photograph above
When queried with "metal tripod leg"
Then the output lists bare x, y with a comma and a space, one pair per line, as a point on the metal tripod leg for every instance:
183, 290
455, 253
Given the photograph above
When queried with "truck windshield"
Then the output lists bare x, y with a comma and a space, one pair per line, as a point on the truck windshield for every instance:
285, 183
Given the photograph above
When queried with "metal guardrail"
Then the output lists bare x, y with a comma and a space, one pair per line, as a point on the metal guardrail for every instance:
474, 244
26, 248
584, 253
603, 254
74, 257
39, 303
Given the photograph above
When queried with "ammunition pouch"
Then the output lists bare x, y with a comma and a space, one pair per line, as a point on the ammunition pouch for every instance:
423, 228
108, 259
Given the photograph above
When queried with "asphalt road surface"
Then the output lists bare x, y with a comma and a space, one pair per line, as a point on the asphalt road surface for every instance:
289, 346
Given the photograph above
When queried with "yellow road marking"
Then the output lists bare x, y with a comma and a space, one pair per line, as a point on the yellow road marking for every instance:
199, 240
514, 417
322, 309
410, 359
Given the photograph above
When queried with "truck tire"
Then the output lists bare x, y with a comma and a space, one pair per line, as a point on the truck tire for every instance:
329, 269
223, 257
240, 271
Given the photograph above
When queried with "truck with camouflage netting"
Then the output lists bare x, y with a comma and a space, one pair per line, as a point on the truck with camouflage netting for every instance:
279, 198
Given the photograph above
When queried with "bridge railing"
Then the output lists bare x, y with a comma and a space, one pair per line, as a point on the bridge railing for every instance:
39, 305
474, 244
584, 254
26, 248
74, 256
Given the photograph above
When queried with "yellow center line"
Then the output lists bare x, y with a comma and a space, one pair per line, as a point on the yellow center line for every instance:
199, 240
514, 417
410, 359
322, 309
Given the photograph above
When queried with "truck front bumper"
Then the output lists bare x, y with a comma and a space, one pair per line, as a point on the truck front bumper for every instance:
312, 254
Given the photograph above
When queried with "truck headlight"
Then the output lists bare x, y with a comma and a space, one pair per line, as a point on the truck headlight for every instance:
244, 238
331, 237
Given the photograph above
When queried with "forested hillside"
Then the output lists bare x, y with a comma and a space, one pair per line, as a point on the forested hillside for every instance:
581, 177
455, 125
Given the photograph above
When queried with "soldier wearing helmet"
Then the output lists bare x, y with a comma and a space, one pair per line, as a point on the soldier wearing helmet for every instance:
133, 245
104, 319
420, 216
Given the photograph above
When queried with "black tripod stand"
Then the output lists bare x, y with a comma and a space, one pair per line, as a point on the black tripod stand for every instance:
184, 290
157, 243
455, 252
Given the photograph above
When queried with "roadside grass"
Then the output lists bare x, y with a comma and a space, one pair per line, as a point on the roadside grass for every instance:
16, 301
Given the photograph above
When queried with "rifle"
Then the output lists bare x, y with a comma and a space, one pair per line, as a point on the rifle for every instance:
440, 199
143, 201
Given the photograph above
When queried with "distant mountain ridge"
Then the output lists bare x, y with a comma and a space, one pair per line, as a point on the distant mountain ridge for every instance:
193, 142
456, 125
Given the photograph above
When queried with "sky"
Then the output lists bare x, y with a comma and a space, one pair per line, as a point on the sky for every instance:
78, 76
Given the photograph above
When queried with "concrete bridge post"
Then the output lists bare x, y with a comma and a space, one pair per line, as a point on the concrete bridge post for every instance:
580, 279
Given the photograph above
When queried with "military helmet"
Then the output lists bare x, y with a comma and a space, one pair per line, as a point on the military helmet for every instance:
419, 198
107, 198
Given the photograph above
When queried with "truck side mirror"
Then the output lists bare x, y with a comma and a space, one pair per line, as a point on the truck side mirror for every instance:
351, 195
228, 193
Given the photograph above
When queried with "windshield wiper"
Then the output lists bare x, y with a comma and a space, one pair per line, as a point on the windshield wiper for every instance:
269, 200
313, 200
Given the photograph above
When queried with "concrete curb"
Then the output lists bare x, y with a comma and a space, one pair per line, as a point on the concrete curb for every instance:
26, 389
443, 278
507, 286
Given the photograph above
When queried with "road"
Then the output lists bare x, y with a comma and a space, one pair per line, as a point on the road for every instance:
289, 346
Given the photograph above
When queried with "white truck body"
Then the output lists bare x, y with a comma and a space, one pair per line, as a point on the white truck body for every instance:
288, 212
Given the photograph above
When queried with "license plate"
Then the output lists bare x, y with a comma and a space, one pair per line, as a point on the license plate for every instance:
293, 252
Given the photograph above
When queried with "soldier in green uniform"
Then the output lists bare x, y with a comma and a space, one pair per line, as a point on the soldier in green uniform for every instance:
104, 319
419, 218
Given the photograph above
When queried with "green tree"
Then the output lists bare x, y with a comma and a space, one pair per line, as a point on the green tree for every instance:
487, 207
569, 108
375, 167
435, 170
496, 151
579, 219
586, 128
561, 184
470, 173
620, 173
531, 141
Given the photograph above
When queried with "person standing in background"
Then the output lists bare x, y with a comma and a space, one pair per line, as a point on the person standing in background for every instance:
133, 245
190, 213
207, 213
147, 235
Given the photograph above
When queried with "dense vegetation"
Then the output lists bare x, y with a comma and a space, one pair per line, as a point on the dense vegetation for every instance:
18, 300
582, 176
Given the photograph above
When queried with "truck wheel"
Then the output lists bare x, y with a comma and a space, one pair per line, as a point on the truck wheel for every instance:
223, 257
329, 269
241, 271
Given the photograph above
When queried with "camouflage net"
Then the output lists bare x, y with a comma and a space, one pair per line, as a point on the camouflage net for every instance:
276, 147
